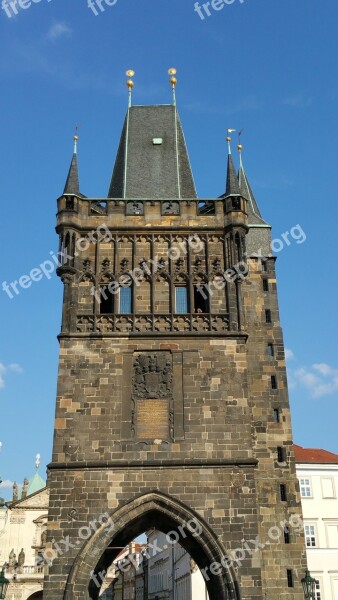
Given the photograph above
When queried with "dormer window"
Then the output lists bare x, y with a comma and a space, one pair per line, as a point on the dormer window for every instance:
236, 203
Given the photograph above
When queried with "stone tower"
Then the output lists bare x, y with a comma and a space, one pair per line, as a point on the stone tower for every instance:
172, 405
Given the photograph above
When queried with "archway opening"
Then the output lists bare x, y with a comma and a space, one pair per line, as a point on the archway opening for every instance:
36, 596
154, 566
175, 521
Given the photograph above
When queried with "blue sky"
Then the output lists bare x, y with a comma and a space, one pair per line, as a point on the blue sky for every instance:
266, 66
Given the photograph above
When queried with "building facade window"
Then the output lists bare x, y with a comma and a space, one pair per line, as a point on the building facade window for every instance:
328, 490
332, 534
280, 454
273, 382
181, 300
286, 535
201, 299
276, 415
310, 536
125, 300
271, 350
265, 285
282, 492
106, 301
289, 575
268, 316
305, 487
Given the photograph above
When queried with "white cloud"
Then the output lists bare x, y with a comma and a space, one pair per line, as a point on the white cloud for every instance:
298, 101
58, 30
323, 369
8, 484
289, 355
320, 379
14, 367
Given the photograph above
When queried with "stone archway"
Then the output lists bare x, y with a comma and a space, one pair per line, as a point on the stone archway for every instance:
131, 520
36, 596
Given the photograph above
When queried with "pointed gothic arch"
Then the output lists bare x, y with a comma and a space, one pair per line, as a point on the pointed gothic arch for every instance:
131, 520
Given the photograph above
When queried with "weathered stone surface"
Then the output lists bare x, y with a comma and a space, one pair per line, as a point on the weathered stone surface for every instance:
216, 460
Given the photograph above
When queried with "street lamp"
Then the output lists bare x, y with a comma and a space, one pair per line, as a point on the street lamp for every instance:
4, 583
309, 585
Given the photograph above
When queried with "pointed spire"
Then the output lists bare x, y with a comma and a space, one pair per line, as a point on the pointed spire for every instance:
246, 191
72, 183
232, 187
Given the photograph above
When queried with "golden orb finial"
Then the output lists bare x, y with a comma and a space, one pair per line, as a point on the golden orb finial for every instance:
240, 147
130, 84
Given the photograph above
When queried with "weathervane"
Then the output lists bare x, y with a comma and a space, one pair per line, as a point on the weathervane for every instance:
240, 147
37, 461
229, 139
130, 84
173, 82
76, 138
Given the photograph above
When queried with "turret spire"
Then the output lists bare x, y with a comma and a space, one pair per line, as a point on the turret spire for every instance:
232, 187
72, 185
246, 191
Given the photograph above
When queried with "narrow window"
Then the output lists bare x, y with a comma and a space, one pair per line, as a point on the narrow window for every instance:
125, 300
305, 488
280, 454
282, 492
286, 535
236, 203
271, 350
264, 266
106, 301
290, 577
201, 299
276, 415
310, 536
265, 285
268, 316
273, 382
69, 203
181, 297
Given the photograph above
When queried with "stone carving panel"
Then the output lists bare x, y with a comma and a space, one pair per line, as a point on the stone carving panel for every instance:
153, 375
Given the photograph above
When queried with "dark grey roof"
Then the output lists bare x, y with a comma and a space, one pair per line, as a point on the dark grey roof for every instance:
232, 187
72, 184
152, 159
254, 214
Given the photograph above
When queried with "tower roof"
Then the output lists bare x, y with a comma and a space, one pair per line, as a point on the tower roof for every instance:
36, 484
152, 159
72, 183
232, 187
254, 214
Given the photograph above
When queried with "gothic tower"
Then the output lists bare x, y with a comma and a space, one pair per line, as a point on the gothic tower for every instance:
172, 405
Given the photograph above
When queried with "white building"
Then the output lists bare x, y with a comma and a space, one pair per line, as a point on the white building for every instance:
23, 525
172, 574
317, 471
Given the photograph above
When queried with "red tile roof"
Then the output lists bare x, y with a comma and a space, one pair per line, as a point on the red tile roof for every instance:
314, 455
